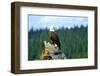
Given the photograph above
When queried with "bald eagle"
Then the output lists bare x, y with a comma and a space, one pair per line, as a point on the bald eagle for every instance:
54, 37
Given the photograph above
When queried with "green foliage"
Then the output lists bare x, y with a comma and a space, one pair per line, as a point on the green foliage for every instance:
73, 41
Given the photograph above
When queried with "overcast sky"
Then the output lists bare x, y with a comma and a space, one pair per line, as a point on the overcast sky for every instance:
42, 22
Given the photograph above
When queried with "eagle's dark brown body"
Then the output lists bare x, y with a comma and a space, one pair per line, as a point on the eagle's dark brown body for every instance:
54, 38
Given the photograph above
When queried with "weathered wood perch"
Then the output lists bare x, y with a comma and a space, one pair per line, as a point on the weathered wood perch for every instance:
51, 52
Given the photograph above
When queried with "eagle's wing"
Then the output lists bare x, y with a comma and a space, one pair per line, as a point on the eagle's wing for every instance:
55, 39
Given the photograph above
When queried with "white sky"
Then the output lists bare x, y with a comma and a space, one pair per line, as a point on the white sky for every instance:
42, 22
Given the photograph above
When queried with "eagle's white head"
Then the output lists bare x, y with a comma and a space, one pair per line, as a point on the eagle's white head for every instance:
52, 28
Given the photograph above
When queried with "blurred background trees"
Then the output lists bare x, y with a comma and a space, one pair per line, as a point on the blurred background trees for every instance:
74, 42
